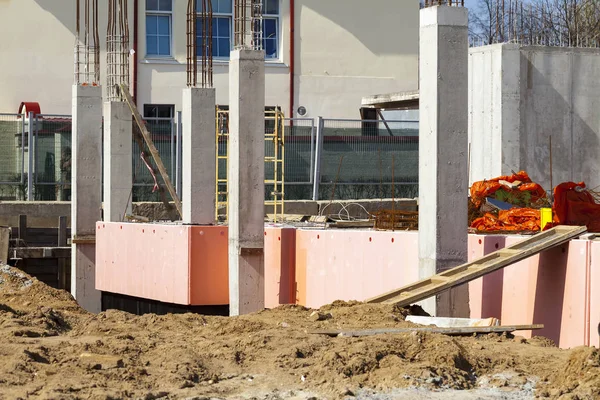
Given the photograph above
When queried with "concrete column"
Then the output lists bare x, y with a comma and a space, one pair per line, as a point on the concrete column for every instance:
246, 174
494, 110
199, 156
443, 147
118, 169
86, 194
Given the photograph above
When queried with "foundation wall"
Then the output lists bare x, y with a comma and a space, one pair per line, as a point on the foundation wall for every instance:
313, 267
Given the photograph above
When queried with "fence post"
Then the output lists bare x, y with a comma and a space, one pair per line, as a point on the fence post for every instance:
178, 151
318, 152
30, 159
22, 151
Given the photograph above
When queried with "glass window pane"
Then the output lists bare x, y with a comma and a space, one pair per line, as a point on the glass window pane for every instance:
151, 45
149, 111
222, 27
222, 6
164, 112
270, 46
163, 25
164, 46
165, 5
151, 25
224, 48
271, 7
270, 28
152, 5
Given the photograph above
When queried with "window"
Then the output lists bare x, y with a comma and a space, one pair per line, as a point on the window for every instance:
158, 27
223, 28
159, 119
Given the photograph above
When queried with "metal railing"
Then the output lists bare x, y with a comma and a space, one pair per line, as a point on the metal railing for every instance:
325, 159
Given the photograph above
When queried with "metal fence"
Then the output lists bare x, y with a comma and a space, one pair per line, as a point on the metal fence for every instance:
363, 159
324, 158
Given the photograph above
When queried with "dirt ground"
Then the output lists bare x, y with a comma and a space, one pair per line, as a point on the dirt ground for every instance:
52, 349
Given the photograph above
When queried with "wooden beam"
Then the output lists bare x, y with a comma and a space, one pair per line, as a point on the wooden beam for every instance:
40, 252
22, 229
435, 284
446, 331
153, 150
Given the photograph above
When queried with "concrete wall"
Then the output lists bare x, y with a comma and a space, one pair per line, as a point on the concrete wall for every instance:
340, 55
517, 103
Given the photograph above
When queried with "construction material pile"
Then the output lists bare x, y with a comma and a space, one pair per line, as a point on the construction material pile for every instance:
508, 203
515, 204
51, 348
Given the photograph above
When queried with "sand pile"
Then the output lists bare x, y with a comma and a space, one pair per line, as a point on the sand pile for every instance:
53, 349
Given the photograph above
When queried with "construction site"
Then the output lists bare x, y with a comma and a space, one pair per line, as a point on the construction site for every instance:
260, 256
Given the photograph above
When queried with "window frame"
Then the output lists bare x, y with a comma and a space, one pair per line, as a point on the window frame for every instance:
160, 13
230, 16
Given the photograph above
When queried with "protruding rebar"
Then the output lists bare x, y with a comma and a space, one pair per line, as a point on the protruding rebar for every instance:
248, 24
117, 52
87, 45
202, 16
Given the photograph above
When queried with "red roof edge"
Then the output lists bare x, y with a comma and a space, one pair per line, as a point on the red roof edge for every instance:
31, 106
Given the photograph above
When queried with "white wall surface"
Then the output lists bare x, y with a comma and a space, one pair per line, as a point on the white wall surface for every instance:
516, 104
344, 50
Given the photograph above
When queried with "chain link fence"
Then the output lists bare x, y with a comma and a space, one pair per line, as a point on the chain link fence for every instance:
324, 158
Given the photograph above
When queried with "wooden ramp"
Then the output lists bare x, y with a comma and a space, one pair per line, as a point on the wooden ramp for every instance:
467, 272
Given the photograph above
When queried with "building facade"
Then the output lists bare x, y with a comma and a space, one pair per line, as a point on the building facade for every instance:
322, 56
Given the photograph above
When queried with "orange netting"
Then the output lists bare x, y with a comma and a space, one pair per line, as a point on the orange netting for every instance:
516, 219
573, 205
526, 193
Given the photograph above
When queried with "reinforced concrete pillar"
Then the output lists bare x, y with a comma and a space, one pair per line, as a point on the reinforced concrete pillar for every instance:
443, 148
199, 156
118, 169
246, 174
86, 193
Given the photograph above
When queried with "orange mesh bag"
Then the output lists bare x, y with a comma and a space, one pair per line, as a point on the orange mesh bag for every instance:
527, 192
573, 206
516, 219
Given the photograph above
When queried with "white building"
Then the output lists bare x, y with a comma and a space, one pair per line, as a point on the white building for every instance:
322, 55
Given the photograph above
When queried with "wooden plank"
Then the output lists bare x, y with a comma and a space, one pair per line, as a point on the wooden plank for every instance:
446, 331
153, 151
428, 287
352, 224
4, 242
62, 231
40, 252
23, 228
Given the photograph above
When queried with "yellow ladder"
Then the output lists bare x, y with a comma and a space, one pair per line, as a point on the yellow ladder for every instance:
274, 161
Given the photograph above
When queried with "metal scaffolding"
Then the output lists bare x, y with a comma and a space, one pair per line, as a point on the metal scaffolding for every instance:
248, 24
87, 44
199, 18
117, 43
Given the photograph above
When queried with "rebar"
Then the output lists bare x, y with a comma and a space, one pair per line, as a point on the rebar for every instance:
87, 45
205, 17
248, 24
451, 3
117, 43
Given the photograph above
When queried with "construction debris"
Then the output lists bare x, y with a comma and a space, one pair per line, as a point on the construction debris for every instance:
507, 204
442, 322
445, 331
397, 220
